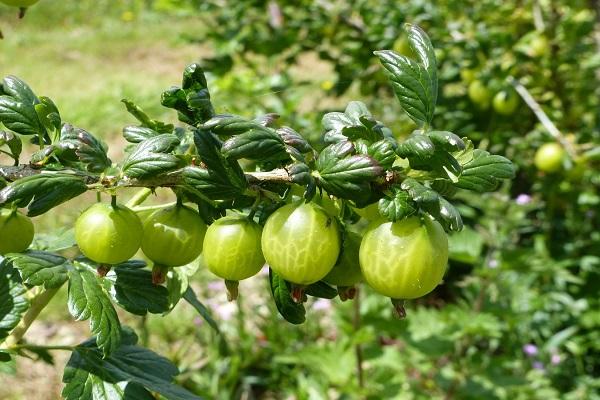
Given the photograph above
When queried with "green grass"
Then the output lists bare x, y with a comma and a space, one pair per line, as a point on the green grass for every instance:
87, 65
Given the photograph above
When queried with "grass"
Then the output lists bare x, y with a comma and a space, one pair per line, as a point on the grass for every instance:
88, 66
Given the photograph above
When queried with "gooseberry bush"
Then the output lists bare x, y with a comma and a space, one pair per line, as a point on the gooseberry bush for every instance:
358, 205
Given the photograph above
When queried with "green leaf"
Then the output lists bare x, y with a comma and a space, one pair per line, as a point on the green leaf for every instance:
13, 303
447, 141
206, 183
192, 299
145, 120
43, 191
322, 290
179, 280
346, 176
40, 268
88, 149
295, 144
396, 205
484, 172
152, 157
133, 290
422, 47
446, 214
122, 375
192, 100
417, 147
257, 144
383, 152
465, 246
412, 85
229, 125
16, 88
419, 193
224, 169
17, 107
87, 300
137, 134
48, 114
356, 122
290, 310
13, 142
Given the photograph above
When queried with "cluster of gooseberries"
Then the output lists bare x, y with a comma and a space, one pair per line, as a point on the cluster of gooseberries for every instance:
301, 241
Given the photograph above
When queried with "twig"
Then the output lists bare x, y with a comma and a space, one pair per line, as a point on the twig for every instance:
170, 179
35, 308
542, 116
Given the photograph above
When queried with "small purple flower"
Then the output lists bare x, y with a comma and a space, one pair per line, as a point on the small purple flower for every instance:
523, 199
198, 321
555, 359
493, 263
530, 349
321, 305
538, 365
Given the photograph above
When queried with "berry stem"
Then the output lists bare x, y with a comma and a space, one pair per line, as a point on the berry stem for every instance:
103, 270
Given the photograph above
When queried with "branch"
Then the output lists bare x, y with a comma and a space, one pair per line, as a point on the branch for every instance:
170, 179
542, 117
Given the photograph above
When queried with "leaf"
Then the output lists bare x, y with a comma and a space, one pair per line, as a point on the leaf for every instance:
291, 311
226, 170
87, 300
484, 172
295, 144
179, 280
383, 152
346, 176
420, 193
356, 122
465, 246
145, 120
446, 214
229, 125
206, 183
40, 268
43, 191
192, 100
133, 290
422, 47
48, 114
397, 205
137, 134
13, 142
88, 149
322, 290
13, 303
152, 157
257, 144
446, 140
192, 299
122, 375
412, 85
17, 107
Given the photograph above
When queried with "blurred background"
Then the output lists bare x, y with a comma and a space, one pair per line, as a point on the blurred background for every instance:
518, 315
